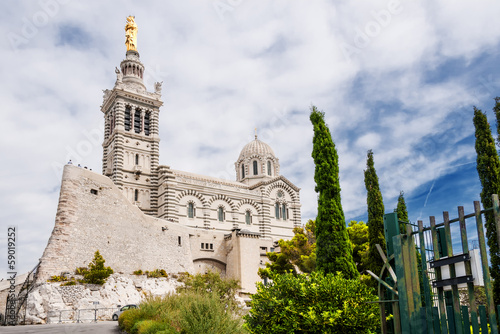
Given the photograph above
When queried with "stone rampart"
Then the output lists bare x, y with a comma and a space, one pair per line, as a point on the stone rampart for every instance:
93, 214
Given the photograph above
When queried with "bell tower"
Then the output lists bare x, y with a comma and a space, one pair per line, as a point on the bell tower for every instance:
131, 134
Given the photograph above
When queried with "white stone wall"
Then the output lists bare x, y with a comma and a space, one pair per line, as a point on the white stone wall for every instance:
127, 239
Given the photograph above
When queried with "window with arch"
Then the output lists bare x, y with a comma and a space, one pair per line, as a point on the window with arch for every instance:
128, 123
277, 211
269, 168
137, 121
136, 195
221, 215
242, 171
255, 168
146, 123
284, 212
248, 217
191, 210
137, 159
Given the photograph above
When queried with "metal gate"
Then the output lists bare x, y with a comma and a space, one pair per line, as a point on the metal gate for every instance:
412, 287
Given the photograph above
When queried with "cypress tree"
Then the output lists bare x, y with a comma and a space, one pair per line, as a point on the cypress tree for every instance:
333, 249
488, 168
375, 215
402, 212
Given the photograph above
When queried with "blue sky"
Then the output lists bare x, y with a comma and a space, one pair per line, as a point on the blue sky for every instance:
396, 77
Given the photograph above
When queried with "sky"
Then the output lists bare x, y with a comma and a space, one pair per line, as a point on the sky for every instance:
398, 77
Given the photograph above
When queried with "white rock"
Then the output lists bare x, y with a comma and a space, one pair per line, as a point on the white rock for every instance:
47, 301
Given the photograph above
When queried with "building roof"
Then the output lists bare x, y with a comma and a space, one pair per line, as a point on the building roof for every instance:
256, 147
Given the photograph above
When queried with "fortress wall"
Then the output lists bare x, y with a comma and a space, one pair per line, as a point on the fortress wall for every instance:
126, 238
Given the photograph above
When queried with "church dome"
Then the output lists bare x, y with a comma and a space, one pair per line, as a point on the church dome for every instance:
256, 163
256, 147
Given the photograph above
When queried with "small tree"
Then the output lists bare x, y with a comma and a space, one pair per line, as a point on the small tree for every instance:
333, 250
315, 303
299, 252
488, 169
97, 272
375, 215
402, 212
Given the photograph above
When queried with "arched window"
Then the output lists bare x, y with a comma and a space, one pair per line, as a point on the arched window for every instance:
255, 168
137, 159
283, 212
221, 215
136, 195
191, 212
146, 123
127, 118
248, 217
137, 121
242, 171
269, 168
277, 211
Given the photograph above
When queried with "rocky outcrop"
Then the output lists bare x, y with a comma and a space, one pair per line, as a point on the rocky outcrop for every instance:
49, 302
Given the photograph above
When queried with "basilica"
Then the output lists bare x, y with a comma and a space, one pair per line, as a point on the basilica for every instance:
141, 214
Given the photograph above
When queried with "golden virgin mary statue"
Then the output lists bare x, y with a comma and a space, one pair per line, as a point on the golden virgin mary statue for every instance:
131, 34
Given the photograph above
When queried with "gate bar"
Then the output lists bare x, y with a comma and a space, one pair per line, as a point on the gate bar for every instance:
442, 306
468, 271
453, 274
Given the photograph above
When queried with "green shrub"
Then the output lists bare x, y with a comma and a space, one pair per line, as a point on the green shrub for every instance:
206, 313
57, 278
156, 273
315, 303
137, 272
154, 327
81, 270
211, 283
72, 282
129, 318
188, 312
97, 272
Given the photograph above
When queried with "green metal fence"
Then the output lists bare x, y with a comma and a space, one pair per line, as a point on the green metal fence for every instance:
411, 284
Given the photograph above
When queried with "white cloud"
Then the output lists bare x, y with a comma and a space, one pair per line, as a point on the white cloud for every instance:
407, 93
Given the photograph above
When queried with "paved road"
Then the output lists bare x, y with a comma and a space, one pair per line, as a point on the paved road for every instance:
103, 327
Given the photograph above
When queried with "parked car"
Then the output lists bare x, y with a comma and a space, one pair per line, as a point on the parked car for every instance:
121, 310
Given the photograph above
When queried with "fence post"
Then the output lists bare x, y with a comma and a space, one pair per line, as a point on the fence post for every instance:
425, 277
402, 290
468, 271
484, 261
442, 306
453, 274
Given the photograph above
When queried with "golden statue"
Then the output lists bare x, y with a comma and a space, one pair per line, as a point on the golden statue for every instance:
131, 34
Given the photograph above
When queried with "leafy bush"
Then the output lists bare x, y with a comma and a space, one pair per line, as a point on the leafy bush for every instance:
206, 313
156, 273
97, 272
81, 271
137, 272
57, 278
188, 312
154, 327
315, 303
212, 283
72, 282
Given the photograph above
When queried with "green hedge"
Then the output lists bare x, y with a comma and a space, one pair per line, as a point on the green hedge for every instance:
315, 303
